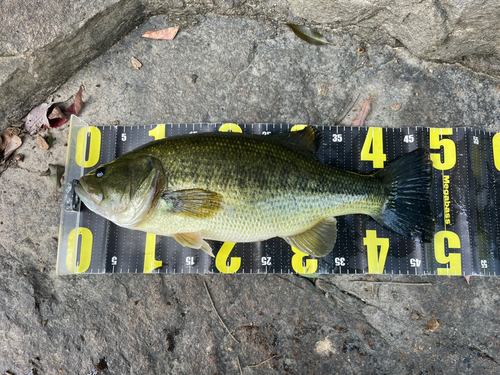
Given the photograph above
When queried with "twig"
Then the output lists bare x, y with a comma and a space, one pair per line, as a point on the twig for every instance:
258, 364
238, 359
213, 305
387, 282
338, 121
288, 281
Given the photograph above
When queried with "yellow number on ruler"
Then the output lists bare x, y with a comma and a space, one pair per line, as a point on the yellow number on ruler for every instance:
223, 255
373, 148
227, 247
376, 262
453, 259
296, 128
85, 250
496, 150
449, 149
94, 147
158, 132
310, 266
150, 263
230, 128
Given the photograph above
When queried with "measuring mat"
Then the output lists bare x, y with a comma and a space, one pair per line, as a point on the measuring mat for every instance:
464, 199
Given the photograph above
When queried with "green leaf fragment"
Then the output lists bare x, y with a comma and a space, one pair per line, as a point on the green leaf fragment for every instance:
310, 36
56, 172
310, 275
50, 139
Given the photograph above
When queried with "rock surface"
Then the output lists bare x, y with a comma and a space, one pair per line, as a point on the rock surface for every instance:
41, 49
247, 71
445, 30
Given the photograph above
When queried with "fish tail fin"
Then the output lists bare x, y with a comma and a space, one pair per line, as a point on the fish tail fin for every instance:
407, 210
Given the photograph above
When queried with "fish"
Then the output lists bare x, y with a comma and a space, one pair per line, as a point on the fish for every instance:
234, 187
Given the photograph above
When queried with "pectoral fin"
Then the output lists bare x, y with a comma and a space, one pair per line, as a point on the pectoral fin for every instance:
194, 241
318, 240
196, 203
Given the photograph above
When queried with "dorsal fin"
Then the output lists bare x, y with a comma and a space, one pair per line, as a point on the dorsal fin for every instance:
308, 139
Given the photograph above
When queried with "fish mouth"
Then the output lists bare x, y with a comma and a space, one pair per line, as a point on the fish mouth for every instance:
88, 191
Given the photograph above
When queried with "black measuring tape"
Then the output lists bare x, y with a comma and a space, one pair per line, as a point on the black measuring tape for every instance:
465, 196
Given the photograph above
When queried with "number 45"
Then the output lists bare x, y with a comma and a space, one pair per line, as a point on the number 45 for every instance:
408, 138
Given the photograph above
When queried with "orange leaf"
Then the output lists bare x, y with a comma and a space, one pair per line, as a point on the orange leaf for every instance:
164, 34
365, 110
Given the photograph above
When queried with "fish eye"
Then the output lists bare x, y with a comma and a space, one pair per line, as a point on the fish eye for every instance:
100, 172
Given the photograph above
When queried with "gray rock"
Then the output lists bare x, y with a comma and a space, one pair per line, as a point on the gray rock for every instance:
248, 71
444, 30
253, 73
41, 50
50, 59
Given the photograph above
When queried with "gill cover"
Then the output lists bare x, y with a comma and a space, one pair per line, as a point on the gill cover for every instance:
125, 190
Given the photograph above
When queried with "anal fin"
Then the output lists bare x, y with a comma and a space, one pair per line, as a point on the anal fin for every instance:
318, 240
194, 241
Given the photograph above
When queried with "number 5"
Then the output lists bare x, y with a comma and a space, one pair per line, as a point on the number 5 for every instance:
449, 149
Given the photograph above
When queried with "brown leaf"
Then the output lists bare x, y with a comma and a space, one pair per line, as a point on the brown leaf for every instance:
76, 107
56, 117
13, 145
365, 110
164, 34
56, 113
136, 63
396, 106
433, 325
42, 142
10, 141
37, 118
49, 115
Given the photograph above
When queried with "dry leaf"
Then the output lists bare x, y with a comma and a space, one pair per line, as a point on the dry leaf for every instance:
467, 278
136, 63
76, 107
49, 115
310, 36
396, 106
42, 142
415, 315
164, 34
433, 325
10, 141
13, 145
56, 117
37, 118
56, 113
365, 110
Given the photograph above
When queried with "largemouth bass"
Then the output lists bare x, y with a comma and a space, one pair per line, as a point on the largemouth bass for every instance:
245, 188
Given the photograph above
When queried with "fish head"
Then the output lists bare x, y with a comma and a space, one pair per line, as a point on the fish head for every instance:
123, 191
